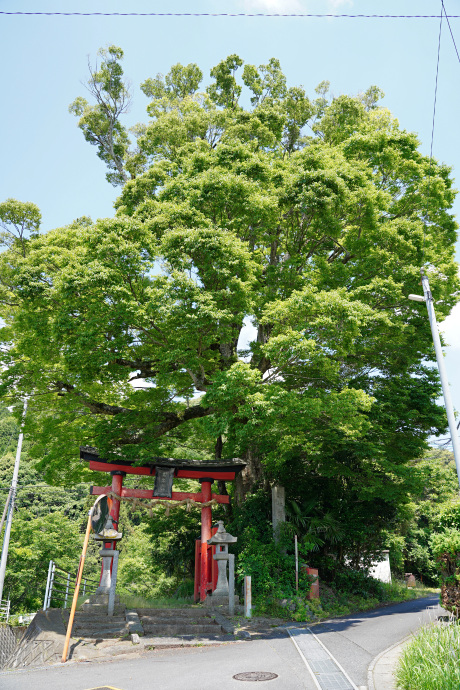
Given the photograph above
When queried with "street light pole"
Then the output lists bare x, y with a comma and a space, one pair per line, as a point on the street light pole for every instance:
12, 495
428, 299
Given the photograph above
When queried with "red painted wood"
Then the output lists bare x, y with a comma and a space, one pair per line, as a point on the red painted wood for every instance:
148, 493
150, 471
129, 493
196, 587
206, 524
117, 488
112, 466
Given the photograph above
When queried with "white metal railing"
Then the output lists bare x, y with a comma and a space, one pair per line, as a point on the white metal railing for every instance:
58, 586
5, 610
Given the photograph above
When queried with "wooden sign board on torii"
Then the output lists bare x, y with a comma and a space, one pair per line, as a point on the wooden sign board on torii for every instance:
164, 470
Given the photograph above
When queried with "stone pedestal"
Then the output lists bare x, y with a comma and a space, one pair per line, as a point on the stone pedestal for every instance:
106, 577
220, 600
98, 604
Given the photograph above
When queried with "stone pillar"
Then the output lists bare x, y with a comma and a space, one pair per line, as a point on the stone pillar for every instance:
278, 509
222, 582
106, 573
206, 524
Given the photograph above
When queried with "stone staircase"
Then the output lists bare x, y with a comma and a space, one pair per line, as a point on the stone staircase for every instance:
185, 622
92, 621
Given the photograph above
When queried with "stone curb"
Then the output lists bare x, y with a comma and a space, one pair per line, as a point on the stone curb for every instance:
380, 684
224, 623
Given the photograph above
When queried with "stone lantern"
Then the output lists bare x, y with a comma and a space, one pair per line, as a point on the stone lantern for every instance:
107, 534
224, 594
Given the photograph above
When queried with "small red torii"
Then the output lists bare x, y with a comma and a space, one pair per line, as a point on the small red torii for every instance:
164, 470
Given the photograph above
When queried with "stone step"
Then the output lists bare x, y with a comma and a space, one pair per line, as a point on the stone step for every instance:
101, 632
100, 626
88, 618
100, 599
177, 620
183, 612
177, 630
101, 609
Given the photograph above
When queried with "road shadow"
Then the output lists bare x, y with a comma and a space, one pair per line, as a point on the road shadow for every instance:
430, 603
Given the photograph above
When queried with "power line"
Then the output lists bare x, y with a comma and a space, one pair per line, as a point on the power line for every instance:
432, 130
450, 29
230, 14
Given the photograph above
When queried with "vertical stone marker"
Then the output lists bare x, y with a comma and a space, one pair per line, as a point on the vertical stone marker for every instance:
247, 596
278, 509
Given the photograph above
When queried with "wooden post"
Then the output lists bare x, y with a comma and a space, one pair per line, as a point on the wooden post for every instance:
206, 523
77, 588
296, 549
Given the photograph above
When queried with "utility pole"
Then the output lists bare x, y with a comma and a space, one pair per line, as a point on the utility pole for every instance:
428, 299
12, 495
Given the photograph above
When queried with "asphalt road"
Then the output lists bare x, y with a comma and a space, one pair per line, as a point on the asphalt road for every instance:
195, 668
354, 641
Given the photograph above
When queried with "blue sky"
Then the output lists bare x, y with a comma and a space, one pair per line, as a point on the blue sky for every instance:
45, 159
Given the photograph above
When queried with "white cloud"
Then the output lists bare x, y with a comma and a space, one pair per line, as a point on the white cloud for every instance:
336, 6
272, 6
294, 6
247, 334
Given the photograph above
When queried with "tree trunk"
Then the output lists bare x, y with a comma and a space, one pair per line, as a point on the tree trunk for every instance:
221, 486
251, 478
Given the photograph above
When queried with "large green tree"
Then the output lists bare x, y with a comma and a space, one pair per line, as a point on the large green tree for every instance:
310, 218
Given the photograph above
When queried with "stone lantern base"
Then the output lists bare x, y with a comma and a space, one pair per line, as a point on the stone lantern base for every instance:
98, 603
219, 600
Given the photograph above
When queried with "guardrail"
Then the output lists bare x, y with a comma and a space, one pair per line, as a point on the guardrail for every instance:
58, 586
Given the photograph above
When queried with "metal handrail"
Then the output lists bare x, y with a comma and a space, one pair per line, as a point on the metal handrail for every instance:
57, 586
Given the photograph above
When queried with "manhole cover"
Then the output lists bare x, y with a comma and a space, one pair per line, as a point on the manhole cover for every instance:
255, 675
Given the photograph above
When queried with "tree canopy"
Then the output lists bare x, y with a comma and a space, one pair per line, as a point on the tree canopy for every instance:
307, 217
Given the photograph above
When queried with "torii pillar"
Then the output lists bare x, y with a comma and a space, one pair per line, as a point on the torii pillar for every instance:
206, 524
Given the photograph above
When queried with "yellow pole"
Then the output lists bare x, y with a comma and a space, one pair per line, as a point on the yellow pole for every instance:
77, 588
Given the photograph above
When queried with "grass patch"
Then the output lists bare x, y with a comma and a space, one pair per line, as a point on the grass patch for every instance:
334, 603
430, 660
134, 601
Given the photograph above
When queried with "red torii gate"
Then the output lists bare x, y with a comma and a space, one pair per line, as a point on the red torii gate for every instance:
164, 470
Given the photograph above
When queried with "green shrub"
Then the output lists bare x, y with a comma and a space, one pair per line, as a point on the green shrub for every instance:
358, 583
430, 660
446, 550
